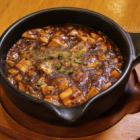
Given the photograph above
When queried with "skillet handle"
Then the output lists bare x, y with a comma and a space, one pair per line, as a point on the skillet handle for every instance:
136, 41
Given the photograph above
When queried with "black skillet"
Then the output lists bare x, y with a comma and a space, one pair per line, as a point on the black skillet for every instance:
129, 44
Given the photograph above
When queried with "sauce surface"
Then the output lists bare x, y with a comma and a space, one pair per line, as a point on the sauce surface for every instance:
65, 65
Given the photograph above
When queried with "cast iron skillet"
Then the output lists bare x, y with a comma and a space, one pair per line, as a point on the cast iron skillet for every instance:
98, 104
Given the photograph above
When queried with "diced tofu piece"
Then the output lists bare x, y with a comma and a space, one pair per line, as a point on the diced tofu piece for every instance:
81, 33
103, 47
79, 47
18, 77
31, 89
66, 93
58, 33
94, 64
88, 39
54, 99
116, 60
31, 72
100, 39
92, 92
78, 76
109, 46
13, 71
22, 87
32, 34
62, 83
107, 85
24, 65
84, 38
12, 80
55, 42
37, 95
95, 36
115, 74
102, 57
44, 39
46, 67
73, 32
78, 50
91, 40
99, 72
34, 93
75, 101
37, 34
72, 97
46, 89
10, 63
83, 50
42, 81
119, 65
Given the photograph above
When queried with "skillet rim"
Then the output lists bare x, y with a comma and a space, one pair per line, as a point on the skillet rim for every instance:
84, 106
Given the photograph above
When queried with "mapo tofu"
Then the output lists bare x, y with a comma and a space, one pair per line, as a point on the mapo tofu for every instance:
65, 65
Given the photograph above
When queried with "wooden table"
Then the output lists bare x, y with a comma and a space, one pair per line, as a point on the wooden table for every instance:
124, 12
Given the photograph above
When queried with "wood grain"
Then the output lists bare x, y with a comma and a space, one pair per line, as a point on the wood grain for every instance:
124, 12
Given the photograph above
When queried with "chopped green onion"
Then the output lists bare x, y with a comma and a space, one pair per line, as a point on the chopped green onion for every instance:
61, 70
60, 56
58, 66
79, 55
69, 72
77, 61
26, 79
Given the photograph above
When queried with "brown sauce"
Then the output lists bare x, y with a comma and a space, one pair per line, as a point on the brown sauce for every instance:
65, 65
